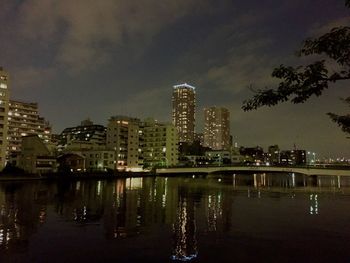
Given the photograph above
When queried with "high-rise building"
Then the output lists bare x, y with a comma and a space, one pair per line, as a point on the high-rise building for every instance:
4, 108
123, 135
160, 144
183, 100
217, 128
24, 119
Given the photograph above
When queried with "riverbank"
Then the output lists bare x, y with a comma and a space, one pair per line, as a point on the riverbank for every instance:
85, 175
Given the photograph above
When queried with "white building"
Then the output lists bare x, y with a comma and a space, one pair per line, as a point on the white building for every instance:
123, 137
159, 144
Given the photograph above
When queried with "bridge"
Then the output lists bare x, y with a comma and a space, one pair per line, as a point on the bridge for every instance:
258, 169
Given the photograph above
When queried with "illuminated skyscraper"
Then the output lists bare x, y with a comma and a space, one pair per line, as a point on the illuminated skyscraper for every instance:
183, 111
217, 128
4, 108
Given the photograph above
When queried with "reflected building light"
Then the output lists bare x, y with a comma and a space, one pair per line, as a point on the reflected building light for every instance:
263, 179
184, 228
165, 192
42, 215
84, 212
163, 200
99, 187
255, 181
154, 194
214, 212
1, 236
133, 183
314, 206
77, 186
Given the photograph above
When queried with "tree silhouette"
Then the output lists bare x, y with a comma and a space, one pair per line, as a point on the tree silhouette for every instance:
298, 84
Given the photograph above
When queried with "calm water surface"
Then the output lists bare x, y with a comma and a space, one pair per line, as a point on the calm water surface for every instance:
221, 218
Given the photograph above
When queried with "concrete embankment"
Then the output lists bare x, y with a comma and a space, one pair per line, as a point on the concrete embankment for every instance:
257, 169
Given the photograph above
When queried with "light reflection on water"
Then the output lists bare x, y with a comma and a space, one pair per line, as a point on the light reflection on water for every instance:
177, 219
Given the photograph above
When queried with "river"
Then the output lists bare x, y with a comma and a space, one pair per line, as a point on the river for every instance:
219, 218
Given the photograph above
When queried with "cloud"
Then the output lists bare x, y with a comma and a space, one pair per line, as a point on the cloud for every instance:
243, 68
33, 77
84, 32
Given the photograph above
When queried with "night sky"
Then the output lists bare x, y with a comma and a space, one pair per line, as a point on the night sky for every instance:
88, 58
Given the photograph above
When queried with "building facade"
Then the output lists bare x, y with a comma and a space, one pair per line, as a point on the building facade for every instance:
273, 154
183, 100
35, 156
83, 137
159, 144
293, 157
23, 120
99, 160
217, 128
4, 108
123, 135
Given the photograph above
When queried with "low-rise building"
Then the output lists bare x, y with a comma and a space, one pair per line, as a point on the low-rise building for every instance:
71, 162
84, 136
99, 160
35, 156
87, 161
219, 157
253, 154
293, 157
273, 155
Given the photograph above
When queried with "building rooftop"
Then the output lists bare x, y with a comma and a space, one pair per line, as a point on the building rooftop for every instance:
184, 85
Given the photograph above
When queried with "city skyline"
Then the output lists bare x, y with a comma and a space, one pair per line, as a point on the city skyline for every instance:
126, 61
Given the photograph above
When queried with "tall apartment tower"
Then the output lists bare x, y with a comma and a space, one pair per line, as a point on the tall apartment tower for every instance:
217, 128
4, 108
123, 135
183, 111
24, 120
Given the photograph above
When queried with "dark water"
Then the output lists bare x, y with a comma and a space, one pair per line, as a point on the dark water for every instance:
228, 218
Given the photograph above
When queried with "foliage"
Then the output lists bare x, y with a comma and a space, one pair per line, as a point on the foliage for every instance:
298, 84
343, 121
